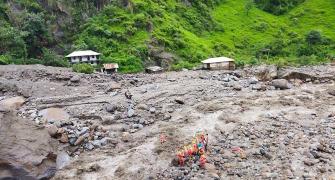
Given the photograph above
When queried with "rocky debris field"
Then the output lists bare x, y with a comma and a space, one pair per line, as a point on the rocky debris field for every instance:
262, 123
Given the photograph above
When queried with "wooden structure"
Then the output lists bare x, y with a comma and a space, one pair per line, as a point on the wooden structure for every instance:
110, 68
219, 63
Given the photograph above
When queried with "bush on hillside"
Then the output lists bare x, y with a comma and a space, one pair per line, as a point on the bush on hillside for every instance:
307, 60
83, 68
277, 7
34, 61
50, 58
314, 37
5, 59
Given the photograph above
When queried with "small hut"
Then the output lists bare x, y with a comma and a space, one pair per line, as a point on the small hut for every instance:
110, 68
219, 63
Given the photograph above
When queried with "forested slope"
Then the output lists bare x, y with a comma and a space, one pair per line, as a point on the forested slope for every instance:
171, 33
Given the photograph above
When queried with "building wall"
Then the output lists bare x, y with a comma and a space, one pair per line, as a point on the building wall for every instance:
93, 58
220, 66
84, 59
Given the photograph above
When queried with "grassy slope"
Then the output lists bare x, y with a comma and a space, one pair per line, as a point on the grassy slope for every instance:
240, 27
241, 37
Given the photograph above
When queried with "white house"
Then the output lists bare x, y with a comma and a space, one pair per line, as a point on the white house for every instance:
89, 57
219, 63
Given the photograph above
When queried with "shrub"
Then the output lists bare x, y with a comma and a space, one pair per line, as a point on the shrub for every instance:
261, 27
277, 7
50, 58
239, 63
182, 64
34, 61
314, 37
5, 59
83, 68
307, 60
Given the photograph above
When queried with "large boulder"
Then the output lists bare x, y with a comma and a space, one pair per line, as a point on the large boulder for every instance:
11, 103
295, 74
63, 159
281, 84
331, 90
75, 79
113, 87
266, 72
26, 145
54, 115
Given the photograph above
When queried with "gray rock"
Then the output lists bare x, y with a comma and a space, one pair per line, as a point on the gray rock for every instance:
75, 79
253, 80
281, 84
111, 108
72, 141
266, 72
84, 130
96, 143
237, 87
47, 174
103, 141
234, 78
131, 112
331, 91
167, 117
89, 146
113, 86
225, 79
179, 101
256, 87
62, 160
141, 121
152, 110
142, 107
125, 128
52, 130
108, 120
137, 126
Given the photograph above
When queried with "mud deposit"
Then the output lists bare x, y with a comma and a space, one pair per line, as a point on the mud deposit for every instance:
262, 123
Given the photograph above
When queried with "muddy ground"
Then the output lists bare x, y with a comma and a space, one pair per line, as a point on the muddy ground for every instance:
77, 126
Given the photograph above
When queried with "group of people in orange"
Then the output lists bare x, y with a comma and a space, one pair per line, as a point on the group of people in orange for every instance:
195, 151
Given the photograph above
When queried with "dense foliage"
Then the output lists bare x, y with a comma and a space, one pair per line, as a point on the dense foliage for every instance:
83, 68
173, 34
277, 6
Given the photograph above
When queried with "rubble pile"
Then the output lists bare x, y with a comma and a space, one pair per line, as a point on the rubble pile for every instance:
262, 122
85, 135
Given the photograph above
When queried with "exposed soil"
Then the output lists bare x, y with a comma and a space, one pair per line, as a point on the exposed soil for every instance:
111, 126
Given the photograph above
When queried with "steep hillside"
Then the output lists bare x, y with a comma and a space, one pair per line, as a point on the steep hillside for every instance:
183, 33
179, 34
30, 31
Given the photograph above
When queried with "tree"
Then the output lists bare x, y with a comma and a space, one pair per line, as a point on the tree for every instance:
248, 6
314, 37
12, 43
277, 7
37, 34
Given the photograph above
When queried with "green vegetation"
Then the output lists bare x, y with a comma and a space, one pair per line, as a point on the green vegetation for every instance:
277, 7
31, 32
173, 34
83, 68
